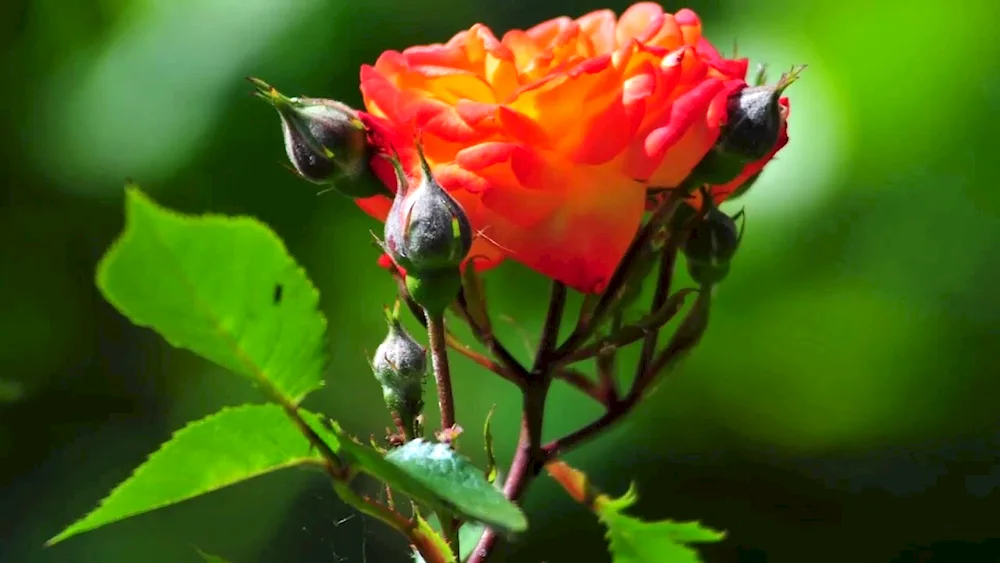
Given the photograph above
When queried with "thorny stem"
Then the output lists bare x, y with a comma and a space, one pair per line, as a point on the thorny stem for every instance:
423, 544
442, 373
529, 457
436, 338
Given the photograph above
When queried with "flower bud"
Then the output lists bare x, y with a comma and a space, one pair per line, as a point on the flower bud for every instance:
400, 366
426, 229
711, 245
755, 119
325, 141
428, 235
754, 123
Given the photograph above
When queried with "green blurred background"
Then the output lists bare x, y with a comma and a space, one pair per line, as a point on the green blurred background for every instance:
842, 408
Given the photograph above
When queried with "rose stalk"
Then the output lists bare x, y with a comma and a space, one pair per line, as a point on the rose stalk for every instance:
594, 151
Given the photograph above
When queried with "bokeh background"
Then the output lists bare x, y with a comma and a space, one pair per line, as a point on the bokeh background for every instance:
843, 406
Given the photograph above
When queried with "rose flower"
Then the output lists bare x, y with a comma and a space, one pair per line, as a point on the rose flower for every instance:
552, 139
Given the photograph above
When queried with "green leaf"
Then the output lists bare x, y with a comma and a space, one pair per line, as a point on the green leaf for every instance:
223, 287
636, 541
491, 460
632, 540
458, 482
219, 450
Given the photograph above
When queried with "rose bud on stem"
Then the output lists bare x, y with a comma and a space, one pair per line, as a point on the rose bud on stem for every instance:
400, 367
711, 245
427, 234
756, 120
325, 141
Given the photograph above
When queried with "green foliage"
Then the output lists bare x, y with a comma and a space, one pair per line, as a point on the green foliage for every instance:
222, 449
491, 460
223, 287
457, 481
633, 540
226, 289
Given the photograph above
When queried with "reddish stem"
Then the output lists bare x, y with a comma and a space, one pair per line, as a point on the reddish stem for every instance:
442, 373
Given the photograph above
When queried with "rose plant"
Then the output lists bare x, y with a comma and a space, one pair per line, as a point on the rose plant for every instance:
594, 151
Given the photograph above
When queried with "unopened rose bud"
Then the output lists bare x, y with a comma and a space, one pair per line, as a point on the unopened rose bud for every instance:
426, 228
755, 117
400, 367
428, 234
711, 245
325, 141
754, 123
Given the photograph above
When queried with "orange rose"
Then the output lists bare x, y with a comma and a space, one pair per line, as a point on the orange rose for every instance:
550, 137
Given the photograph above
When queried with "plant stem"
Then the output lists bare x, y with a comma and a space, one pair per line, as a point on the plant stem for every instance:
660, 295
486, 337
424, 545
529, 458
687, 336
442, 373
480, 359
550, 330
582, 383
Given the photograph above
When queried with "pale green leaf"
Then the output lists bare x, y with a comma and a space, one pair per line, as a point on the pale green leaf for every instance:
491, 460
219, 450
633, 540
630, 539
458, 482
223, 287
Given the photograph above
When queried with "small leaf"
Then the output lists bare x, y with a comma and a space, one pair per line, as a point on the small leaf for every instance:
632, 540
223, 287
491, 461
468, 538
458, 482
219, 450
